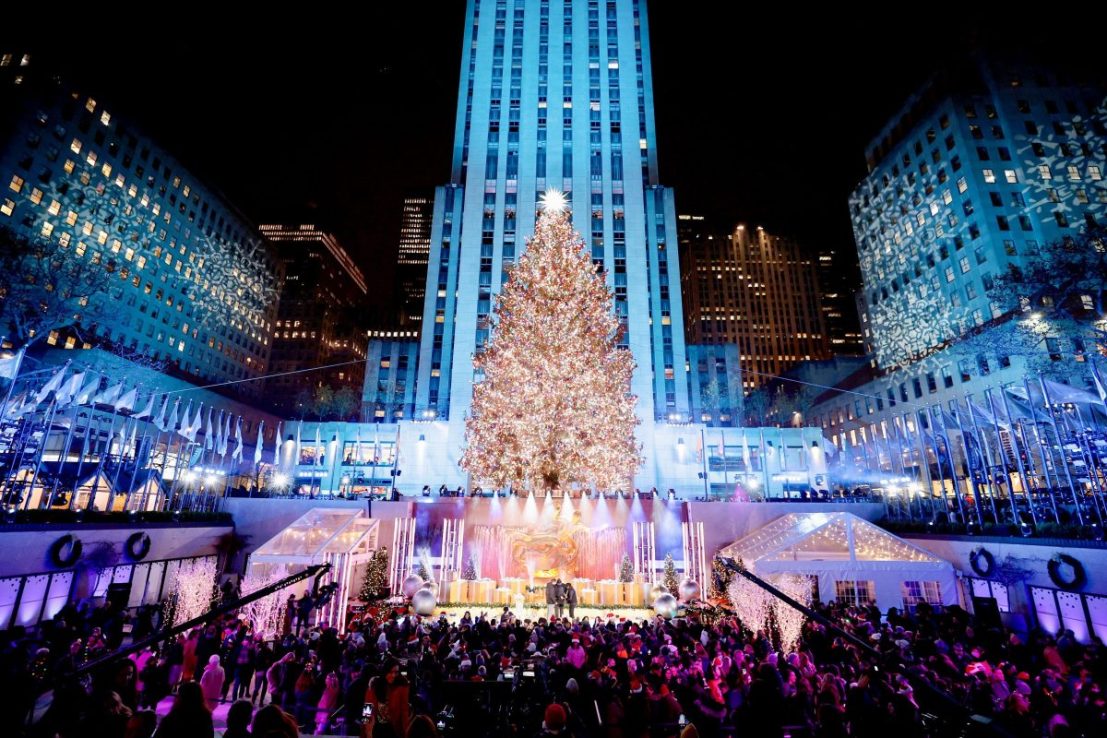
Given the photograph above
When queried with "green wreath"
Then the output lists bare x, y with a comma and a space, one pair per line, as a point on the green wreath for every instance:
1079, 576
65, 551
137, 546
975, 559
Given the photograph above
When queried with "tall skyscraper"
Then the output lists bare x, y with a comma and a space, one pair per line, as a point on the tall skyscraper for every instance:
839, 282
413, 254
319, 322
193, 284
553, 94
979, 169
756, 290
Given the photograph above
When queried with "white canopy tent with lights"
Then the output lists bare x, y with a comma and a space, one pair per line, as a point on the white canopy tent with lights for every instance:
852, 559
343, 538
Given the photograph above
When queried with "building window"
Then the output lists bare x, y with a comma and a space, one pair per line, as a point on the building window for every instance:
915, 593
854, 592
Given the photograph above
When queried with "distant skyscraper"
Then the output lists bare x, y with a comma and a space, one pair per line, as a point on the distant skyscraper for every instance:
320, 320
412, 257
839, 282
753, 289
196, 285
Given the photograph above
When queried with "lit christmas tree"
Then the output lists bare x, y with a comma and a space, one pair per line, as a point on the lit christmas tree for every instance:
376, 577
626, 569
469, 571
554, 406
669, 579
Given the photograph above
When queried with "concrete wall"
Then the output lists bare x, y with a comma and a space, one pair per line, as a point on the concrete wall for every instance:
1025, 554
26, 548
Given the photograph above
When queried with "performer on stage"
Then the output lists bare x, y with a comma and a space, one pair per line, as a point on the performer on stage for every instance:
551, 598
571, 599
559, 597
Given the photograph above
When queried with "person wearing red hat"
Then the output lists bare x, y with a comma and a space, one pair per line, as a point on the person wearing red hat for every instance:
553, 722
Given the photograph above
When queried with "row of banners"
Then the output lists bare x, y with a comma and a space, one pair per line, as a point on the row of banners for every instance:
124, 431
1050, 438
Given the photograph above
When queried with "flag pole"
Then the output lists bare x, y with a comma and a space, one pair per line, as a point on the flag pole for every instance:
1027, 486
15, 377
64, 458
1064, 461
968, 463
1002, 456
937, 461
41, 451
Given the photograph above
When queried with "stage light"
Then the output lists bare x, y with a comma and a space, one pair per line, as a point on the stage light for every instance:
279, 480
190, 476
211, 480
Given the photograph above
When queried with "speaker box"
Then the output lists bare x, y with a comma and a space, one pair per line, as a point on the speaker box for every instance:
987, 612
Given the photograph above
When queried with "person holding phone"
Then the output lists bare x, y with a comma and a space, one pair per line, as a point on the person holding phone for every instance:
386, 713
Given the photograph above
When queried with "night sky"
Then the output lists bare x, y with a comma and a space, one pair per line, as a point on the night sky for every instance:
761, 120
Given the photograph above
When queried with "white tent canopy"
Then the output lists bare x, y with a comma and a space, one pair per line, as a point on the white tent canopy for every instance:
340, 537
851, 558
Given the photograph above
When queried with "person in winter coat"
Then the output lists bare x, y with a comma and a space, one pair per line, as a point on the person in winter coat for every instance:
238, 719
328, 703
388, 693
188, 665
211, 683
189, 717
275, 675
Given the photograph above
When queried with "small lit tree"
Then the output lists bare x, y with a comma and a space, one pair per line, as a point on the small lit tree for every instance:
376, 577
43, 288
1055, 296
194, 591
265, 614
469, 571
721, 578
669, 578
626, 569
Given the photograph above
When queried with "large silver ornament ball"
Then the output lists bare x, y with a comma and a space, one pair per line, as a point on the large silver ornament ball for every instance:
689, 590
412, 584
656, 591
665, 605
424, 602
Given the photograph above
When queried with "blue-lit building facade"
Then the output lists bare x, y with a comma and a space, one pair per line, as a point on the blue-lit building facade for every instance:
553, 94
196, 283
978, 170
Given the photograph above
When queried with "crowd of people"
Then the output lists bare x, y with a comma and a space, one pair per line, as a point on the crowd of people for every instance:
494, 674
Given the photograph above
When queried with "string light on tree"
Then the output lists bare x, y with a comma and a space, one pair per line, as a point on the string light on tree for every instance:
554, 407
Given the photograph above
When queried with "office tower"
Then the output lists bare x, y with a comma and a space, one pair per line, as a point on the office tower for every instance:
554, 94
755, 290
192, 285
320, 318
981, 167
411, 261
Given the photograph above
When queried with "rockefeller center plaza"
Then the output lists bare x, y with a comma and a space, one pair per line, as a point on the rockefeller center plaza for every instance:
623, 379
